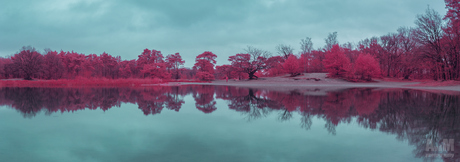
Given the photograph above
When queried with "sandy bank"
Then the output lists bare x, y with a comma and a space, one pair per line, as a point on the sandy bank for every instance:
306, 81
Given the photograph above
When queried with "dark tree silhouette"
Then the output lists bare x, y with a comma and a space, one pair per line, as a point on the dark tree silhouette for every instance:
284, 50
429, 33
174, 62
251, 62
53, 67
28, 62
331, 40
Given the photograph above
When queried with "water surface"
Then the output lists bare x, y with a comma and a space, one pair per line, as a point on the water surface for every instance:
219, 123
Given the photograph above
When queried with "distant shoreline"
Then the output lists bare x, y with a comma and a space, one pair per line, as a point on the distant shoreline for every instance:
282, 83
78, 83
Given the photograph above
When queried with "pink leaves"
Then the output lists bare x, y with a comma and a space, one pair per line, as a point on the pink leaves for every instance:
207, 55
292, 66
205, 66
28, 62
173, 62
366, 67
152, 64
336, 63
248, 64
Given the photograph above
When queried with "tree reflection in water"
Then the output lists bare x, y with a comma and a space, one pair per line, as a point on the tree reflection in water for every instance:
412, 115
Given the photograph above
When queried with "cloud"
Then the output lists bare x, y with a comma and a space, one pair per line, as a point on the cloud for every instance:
125, 28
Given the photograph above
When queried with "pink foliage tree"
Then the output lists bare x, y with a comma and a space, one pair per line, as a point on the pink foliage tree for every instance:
244, 64
336, 63
152, 64
53, 67
275, 66
366, 67
28, 62
204, 64
292, 66
174, 62
225, 71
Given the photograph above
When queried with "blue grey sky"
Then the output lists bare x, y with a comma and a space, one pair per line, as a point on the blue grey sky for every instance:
125, 28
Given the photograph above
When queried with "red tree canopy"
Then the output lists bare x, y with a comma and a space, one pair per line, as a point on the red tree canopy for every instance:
28, 62
274, 66
225, 71
292, 66
52, 67
207, 55
244, 63
453, 12
173, 62
150, 56
205, 65
152, 64
366, 67
336, 63
156, 70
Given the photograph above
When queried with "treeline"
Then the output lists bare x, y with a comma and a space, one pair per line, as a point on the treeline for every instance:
428, 51
29, 63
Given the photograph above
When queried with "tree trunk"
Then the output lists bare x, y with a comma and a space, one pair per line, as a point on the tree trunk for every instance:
251, 76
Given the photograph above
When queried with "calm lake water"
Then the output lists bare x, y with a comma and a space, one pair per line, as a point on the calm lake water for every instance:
219, 123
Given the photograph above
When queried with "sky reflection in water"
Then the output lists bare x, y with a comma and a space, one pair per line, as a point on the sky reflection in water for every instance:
218, 123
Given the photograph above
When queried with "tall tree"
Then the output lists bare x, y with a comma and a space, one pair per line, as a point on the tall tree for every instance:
52, 67
316, 61
174, 61
251, 62
5, 68
28, 62
306, 45
152, 64
390, 54
331, 40
366, 67
453, 12
409, 62
291, 66
452, 36
109, 65
204, 64
336, 63
150, 56
285, 50
429, 33
73, 63
243, 63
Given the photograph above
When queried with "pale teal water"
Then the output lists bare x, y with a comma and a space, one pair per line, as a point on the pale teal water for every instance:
125, 134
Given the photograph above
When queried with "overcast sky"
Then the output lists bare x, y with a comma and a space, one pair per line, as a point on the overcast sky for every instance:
125, 28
